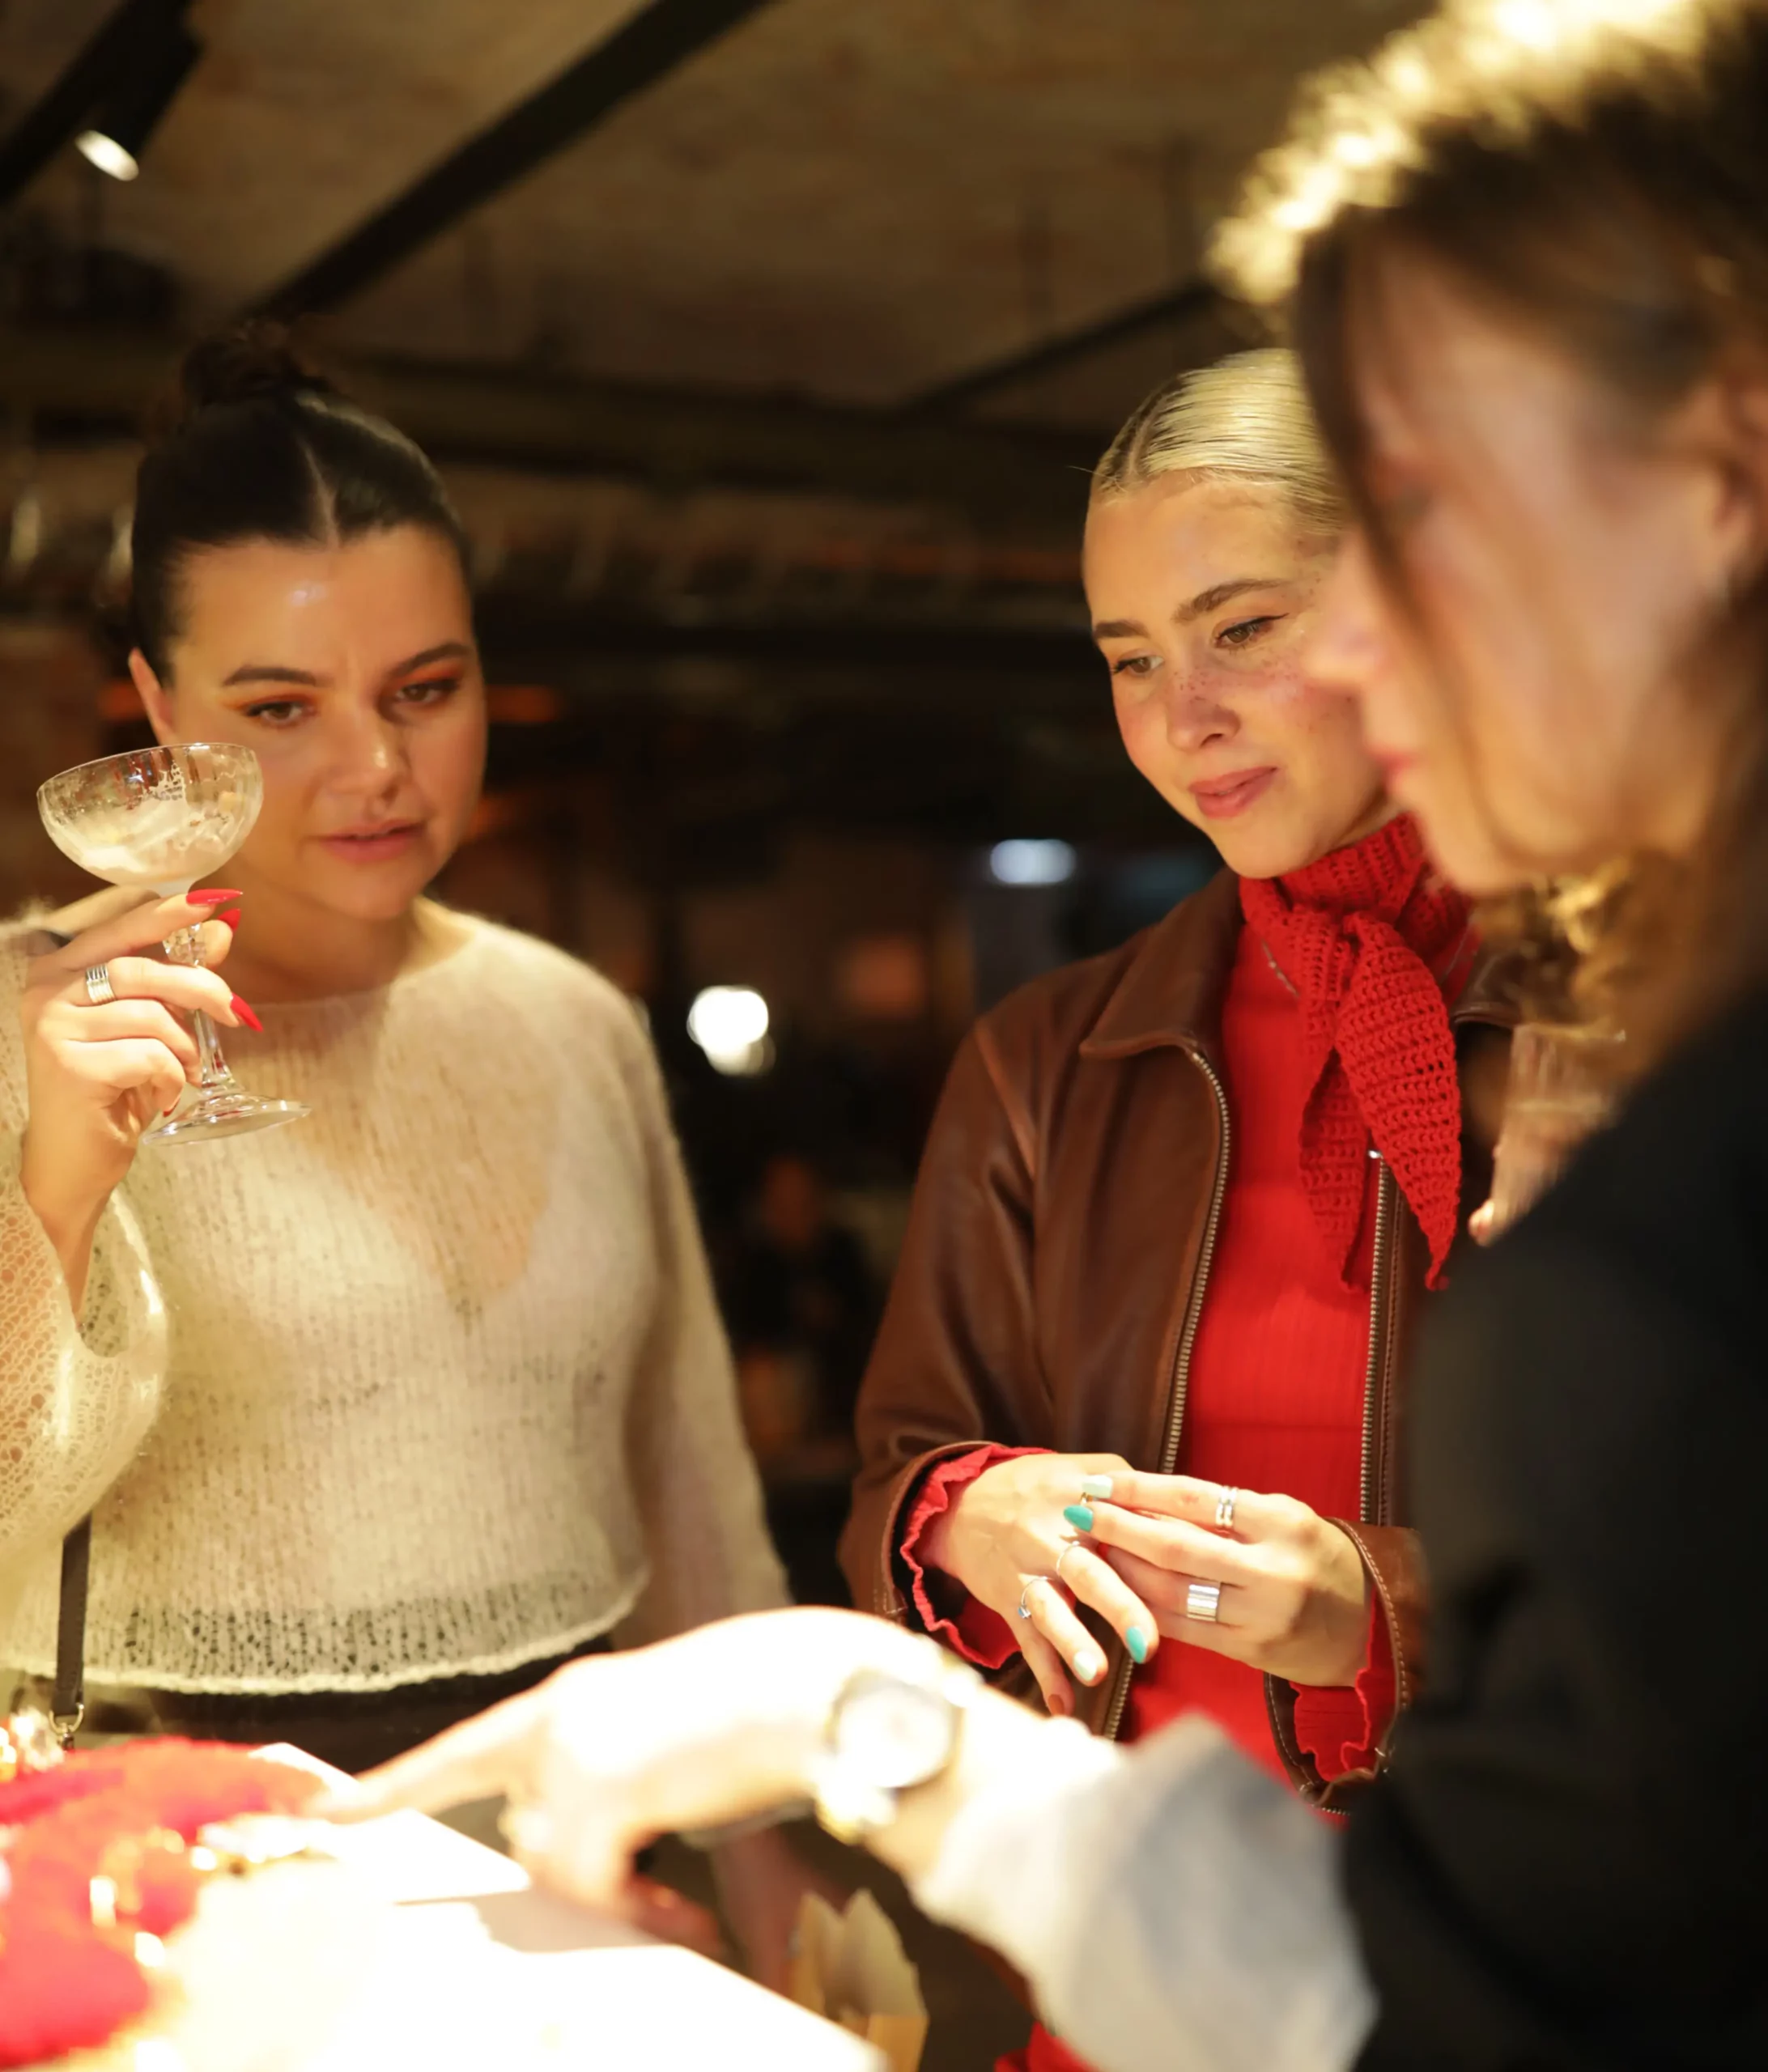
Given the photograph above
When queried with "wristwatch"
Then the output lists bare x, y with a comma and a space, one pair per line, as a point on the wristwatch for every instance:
885, 1734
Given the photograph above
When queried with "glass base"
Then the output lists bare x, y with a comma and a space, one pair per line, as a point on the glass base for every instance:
228, 1111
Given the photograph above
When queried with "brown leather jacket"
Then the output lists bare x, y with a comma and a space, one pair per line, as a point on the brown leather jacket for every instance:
1059, 1249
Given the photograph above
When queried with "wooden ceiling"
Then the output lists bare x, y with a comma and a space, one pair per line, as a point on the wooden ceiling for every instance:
855, 200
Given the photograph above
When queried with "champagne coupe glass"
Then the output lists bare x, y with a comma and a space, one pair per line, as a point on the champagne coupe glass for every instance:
161, 818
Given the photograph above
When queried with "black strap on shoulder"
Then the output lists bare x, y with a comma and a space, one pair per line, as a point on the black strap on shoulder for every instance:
67, 1708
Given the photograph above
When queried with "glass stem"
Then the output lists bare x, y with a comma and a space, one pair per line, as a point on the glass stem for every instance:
186, 948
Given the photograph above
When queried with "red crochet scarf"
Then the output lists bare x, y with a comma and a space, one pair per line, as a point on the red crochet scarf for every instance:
1367, 937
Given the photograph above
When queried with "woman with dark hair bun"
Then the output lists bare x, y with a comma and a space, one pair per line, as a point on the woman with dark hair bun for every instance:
385, 1415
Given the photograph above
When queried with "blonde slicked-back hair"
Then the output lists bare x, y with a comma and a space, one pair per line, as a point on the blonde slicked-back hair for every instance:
1244, 419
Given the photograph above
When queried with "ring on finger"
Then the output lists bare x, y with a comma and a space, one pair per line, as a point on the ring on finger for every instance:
1070, 1547
1202, 1602
98, 988
1032, 1583
1224, 1508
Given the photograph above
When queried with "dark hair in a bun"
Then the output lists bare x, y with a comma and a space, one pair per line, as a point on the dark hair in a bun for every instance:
252, 444
251, 362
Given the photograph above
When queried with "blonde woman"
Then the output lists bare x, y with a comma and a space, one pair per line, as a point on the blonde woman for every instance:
1180, 1203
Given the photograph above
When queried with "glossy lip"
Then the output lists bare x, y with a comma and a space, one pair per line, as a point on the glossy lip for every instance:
1222, 798
368, 845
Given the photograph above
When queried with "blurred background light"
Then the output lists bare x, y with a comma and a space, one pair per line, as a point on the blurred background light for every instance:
729, 1023
133, 109
1031, 863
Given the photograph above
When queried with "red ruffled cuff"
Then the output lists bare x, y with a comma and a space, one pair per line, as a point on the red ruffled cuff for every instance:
947, 1610
1343, 1729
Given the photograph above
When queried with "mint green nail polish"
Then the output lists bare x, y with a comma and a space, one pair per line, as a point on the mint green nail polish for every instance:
1080, 1516
1097, 1485
1137, 1642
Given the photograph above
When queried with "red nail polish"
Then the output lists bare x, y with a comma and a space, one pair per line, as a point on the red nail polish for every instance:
231, 919
218, 896
244, 1010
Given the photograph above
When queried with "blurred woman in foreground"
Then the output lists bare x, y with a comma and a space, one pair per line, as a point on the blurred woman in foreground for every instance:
1528, 252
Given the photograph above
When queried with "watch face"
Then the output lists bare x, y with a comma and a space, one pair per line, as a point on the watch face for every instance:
893, 1734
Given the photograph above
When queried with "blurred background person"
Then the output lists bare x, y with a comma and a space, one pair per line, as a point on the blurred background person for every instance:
801, 1298
800, 1302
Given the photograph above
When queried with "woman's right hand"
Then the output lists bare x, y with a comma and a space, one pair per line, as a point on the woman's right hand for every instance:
1003, 1538
95, 1076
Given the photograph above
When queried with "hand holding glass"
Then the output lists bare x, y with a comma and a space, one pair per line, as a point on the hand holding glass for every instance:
161, 818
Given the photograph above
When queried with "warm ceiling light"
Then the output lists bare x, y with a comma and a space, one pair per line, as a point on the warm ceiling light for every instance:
132, 111
107, 153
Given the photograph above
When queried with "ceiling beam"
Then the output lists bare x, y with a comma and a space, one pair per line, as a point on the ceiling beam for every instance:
662, 36
1173, 305
59, 117
69, 386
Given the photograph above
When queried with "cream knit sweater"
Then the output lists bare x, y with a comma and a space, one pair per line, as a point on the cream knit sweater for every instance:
431, 1383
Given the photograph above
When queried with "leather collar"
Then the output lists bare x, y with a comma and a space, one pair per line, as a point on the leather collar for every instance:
1172, 990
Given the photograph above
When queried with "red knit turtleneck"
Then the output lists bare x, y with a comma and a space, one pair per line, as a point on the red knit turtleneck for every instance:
1364, 937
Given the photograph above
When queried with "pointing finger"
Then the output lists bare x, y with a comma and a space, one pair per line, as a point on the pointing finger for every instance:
487, 1757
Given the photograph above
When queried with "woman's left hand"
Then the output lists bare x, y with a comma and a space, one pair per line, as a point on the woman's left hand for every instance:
1294, 1600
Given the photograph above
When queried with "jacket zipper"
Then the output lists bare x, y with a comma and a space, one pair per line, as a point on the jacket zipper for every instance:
1188, 1338
1380, 1273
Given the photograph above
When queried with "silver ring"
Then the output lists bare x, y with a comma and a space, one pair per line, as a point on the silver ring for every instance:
1030, 1584
1203, 1601
98, 988
1061, 1558
1224, 1508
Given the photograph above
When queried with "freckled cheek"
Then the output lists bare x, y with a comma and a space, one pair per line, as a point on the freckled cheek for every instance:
1142, 722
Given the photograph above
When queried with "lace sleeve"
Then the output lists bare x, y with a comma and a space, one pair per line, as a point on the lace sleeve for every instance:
76, 1396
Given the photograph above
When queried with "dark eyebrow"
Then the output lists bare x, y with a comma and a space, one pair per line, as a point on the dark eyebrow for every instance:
446, 650
265, 673
1118, 629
